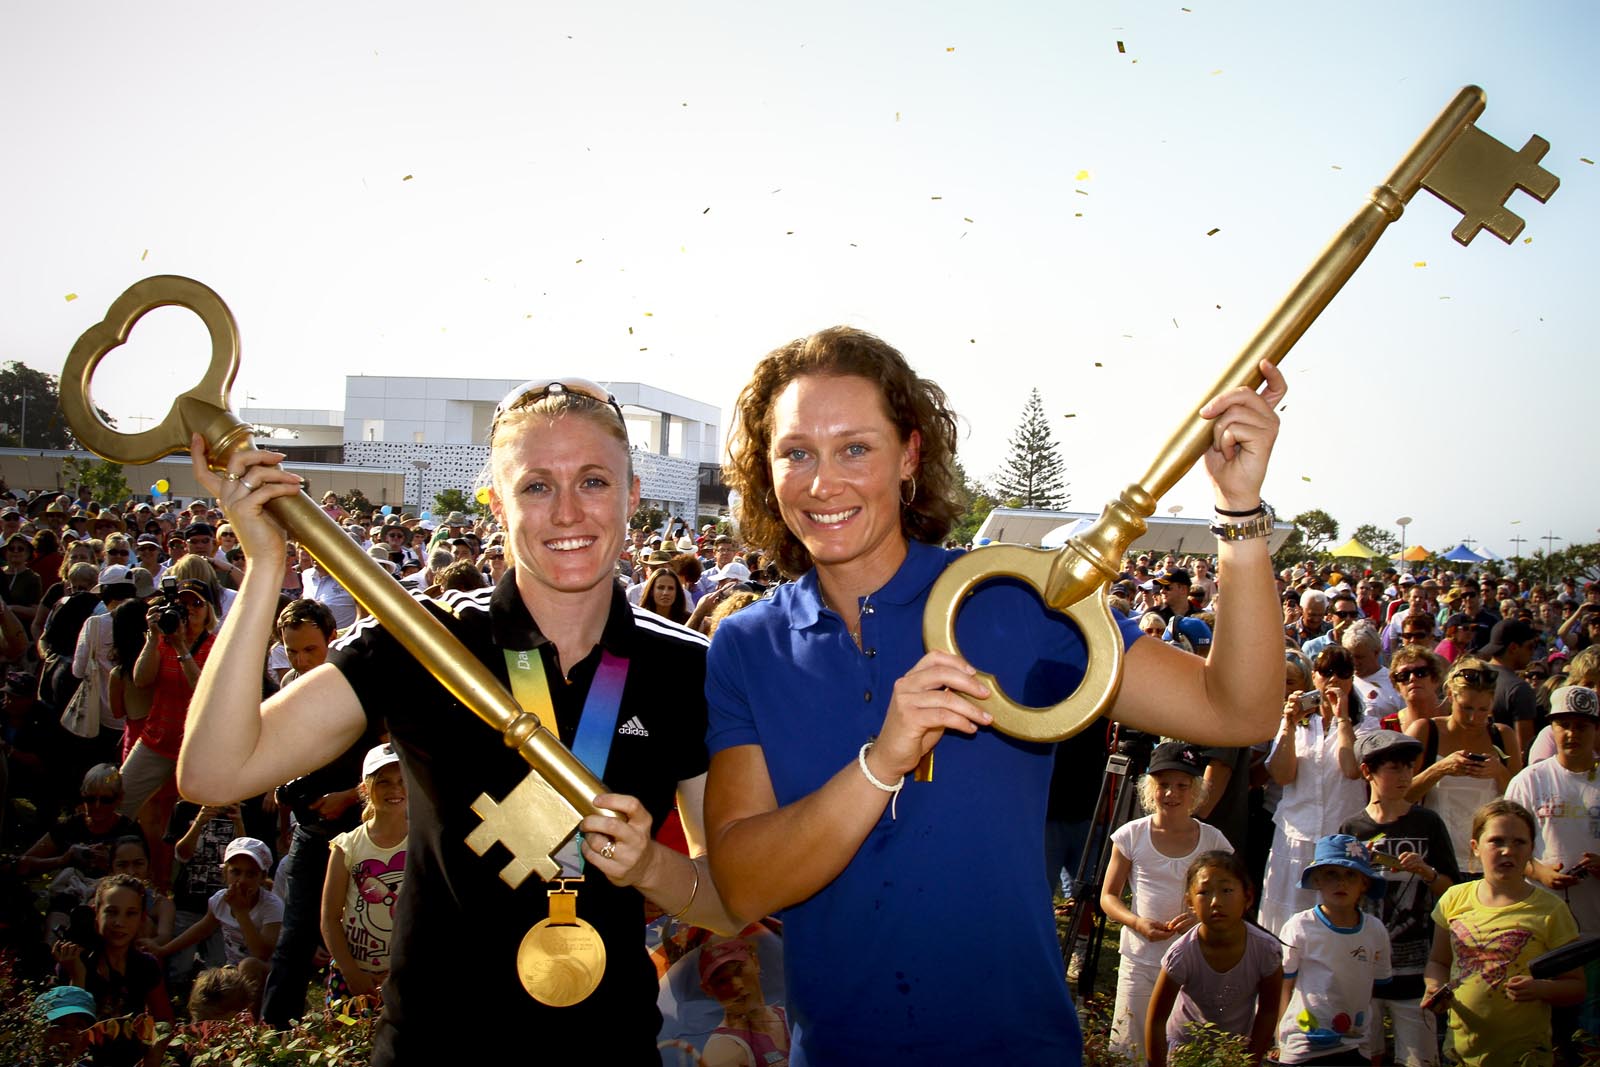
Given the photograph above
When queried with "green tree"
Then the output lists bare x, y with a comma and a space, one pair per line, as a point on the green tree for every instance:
1034, 472
1378, 539
1317, 528
104, 479
648, 516
30, 409
447, 500
976, 504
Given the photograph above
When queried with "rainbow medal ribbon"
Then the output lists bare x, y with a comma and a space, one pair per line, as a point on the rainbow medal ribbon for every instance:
562, 958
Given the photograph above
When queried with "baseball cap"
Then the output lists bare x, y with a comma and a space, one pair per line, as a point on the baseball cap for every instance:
1176, 756
1577, 700
378, 757
199, 529
253, 847
1408, 579
64, 1000
1377, 744
115, 581
1177, 576
1506, 632
735, 569
197, 587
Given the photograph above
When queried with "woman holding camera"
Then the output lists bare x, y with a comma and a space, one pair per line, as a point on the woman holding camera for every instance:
1314, 758
175, 650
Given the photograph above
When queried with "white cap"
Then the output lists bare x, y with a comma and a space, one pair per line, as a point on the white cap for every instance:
255, 848
377, 759
735, 569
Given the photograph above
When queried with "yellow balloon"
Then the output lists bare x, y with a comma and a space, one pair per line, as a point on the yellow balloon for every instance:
483, 494
162, 485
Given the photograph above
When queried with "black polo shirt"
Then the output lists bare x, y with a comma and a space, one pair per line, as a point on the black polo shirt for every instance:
458, 926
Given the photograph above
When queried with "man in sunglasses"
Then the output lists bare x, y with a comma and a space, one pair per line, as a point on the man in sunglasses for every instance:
1343, 612
1510, 649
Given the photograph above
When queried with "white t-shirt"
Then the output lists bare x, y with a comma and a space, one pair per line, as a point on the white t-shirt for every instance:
1566, 808
1334, 969
268, 910
1157, 881
376, 876
1378, 695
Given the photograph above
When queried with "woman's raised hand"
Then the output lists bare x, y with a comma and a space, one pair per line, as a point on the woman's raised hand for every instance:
253, 478
1244, 427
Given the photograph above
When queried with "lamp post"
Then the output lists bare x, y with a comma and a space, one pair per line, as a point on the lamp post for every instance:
1402, 522
421, 465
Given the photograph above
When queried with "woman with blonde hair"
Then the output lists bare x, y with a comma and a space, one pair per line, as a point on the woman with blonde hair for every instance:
1467, 758
562, 486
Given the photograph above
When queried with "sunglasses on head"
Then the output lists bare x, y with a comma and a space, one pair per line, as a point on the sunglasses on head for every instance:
1405, 674
531, 392
1476, 677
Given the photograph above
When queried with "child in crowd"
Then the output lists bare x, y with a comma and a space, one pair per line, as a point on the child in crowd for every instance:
220, 994
1413, 845
1153, 854
1333, 958
199, 836
1485, 933
1564, 798
122, 979
1223, 970
68, 1013
131, 856
249, 916
365, 869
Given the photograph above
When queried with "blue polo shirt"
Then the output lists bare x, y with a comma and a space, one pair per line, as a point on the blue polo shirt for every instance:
937, 944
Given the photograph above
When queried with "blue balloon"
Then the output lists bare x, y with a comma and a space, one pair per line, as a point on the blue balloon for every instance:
980, 542
386, 509
427, 514
154, 491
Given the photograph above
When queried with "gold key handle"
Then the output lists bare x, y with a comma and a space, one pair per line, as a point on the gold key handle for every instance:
568, 789
1454, 160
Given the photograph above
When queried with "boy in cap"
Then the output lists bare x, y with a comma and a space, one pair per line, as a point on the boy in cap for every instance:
1334, 957
249, 916
68, 1013
1564, 796
1413, 844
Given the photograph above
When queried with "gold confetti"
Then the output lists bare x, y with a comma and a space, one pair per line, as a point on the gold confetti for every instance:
936, 198
1081, 192
649, 314
646, 348
1420, 263
854, 245
1099, 364
897, 116
71, 297
578, 261
972, 340
1336, 166
1071, 416
142, 257
1303, 478
788, 231
1527, 240
1213, 231
965, 219
1216, 72
1081, 176
406, 178
950, 49
1284, 408
1586, 159
1121, 49
1077, 214
630, 331
527, 316
1185, 10
1175, 325
707, 211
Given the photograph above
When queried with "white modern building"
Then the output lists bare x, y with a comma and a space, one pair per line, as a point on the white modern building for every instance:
434, 430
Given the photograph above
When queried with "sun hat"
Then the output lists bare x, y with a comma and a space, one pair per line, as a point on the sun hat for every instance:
1342, 850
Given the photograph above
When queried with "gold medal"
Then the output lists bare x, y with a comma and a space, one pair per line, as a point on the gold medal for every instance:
562, 959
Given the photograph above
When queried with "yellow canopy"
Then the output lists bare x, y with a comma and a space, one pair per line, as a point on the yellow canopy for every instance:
1357, 550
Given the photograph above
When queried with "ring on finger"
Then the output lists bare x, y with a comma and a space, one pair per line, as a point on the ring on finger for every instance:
232, 477
247, 486
610, 850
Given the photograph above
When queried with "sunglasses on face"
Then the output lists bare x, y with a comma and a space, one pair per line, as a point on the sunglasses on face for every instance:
1406, 674
531, 392
1345, 671
116, 552
1351, 614
1479, 679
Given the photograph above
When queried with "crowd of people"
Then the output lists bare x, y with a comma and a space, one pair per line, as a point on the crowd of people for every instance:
227, 789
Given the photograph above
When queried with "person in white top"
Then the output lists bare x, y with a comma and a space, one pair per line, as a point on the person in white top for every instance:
1153, 854
1378, 694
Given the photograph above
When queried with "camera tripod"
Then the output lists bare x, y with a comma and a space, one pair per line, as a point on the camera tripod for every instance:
1116, 804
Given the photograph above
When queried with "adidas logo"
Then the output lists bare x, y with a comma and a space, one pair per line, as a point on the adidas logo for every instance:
633, 728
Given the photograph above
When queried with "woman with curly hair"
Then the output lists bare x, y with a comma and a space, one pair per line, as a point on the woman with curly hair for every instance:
822, 701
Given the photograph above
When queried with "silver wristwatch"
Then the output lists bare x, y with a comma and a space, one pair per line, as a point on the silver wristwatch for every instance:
1245, 527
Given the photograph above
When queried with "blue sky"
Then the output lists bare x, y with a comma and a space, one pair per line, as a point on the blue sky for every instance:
996, 189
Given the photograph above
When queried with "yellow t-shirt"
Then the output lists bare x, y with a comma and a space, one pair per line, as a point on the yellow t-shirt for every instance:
1488, 947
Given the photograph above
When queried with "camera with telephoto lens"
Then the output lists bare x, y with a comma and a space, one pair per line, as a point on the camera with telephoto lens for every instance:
172, 612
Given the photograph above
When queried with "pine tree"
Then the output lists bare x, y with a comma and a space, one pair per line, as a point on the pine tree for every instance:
1033, 473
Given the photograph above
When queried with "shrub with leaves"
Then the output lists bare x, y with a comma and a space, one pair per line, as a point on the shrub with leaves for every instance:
1211, 1046
1098, 1051
21, 1028
338, 1036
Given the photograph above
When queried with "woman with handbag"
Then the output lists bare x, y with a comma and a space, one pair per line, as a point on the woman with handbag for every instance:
91, 664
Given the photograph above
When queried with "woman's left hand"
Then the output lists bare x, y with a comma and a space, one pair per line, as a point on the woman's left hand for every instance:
1244, 426
619, 847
